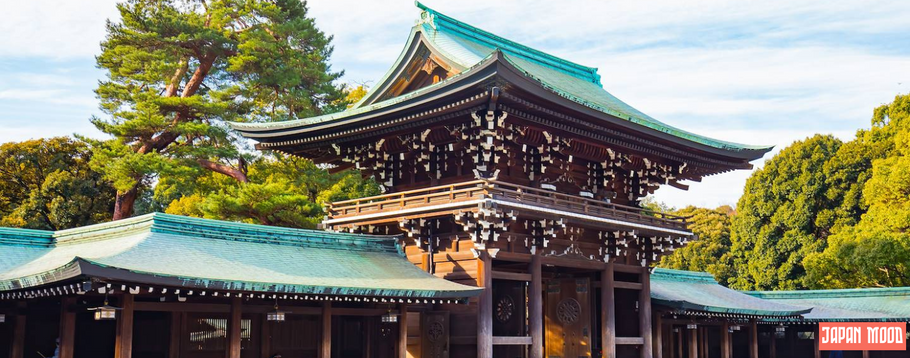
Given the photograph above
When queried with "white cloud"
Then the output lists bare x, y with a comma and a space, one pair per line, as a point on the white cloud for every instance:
53, 29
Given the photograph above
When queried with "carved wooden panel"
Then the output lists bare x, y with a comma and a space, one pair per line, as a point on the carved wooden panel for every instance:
568, 318
434, 333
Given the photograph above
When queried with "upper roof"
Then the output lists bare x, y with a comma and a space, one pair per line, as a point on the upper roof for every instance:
464, 48
860, 304
698, 291
170, 250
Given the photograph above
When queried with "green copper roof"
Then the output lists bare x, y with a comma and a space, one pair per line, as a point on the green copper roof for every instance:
698, 291
464, 46
861, 304
191, 252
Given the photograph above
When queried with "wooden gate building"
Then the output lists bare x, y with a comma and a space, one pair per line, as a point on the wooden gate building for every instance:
513, 170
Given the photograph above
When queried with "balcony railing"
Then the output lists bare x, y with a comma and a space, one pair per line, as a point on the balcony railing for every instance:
507, 192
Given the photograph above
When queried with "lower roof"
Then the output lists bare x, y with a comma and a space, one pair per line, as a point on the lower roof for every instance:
170, 250
698, 291
860, 304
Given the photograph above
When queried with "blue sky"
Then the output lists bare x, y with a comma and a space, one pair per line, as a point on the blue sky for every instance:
756, 72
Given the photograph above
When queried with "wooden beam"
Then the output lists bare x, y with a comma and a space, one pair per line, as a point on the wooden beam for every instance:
628, 341
607, 311
403, 331
693, 342
644, 313
627, 268
234, 323
572, 263
513, 257
67, 328
123, 345
511, 276
18, 348
511, 341
535, 309
325, 348
753, 339
485, 306
627, 285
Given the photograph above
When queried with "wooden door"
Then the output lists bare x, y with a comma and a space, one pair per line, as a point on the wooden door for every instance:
435, 334
568, 318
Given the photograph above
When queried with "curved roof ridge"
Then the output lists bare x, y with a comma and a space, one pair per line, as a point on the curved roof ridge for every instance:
490, 39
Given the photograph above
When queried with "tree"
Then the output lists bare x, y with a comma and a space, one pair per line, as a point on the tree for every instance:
177, 70
876, 250
710, 253
283, 190
786, 212
48, 184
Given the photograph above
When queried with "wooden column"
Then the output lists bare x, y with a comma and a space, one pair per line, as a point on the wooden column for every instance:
644, 313
325, 349
607, 311
773, 353
679, 338
658, 336
753, 340
67, 327
123, 345
403, 331
233, 350
818, 353
265, 336
176, 334
693, 342
485, 307
725, 351
535, 308
18, 349
865, 354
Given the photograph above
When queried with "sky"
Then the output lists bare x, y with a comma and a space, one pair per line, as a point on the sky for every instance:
756, 72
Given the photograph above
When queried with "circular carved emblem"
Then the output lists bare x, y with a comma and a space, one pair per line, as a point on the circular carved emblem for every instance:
568, 311
504, 308
435, 331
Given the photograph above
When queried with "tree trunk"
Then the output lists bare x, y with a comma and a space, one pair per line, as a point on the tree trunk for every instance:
230, 171
123, 206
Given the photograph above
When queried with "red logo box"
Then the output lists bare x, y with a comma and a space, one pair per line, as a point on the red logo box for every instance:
862, 336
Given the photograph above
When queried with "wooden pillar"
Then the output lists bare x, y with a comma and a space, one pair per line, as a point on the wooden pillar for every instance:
644, 313
67, 327
123, 345
535, 308
693, 342
176, 334
658, 336
325, 349
403, 331
18, 349
679, 339
773, 345
865, 354
485, 307
725, 351
265, 336
607, 311
818, 353
753, 340
233, 350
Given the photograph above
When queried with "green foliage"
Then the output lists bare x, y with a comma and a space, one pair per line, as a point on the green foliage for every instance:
48, 184
785, 213
283, 191
710, 253
875, 251
178, 70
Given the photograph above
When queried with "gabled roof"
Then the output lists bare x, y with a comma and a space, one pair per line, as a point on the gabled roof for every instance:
698, 291
170, 250
860, 304
464, 47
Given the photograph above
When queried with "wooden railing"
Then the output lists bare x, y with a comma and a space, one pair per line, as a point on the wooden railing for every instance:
491, 189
